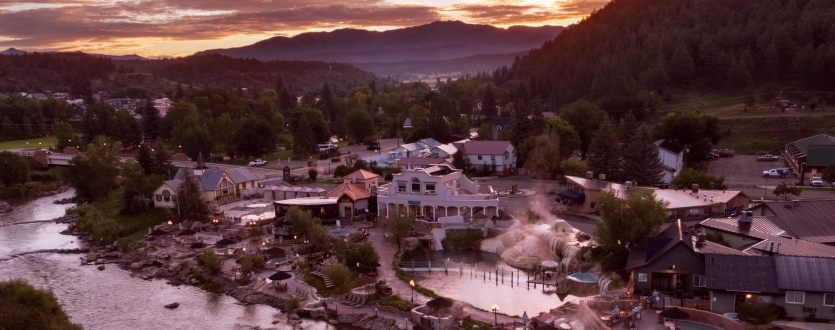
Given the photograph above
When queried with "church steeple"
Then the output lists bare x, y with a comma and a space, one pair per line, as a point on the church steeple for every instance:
201, 164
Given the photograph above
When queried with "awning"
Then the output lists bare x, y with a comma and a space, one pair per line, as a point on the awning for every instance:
572, 196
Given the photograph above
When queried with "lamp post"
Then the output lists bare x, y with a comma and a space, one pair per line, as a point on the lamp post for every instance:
495, 309
765, 188
412, 284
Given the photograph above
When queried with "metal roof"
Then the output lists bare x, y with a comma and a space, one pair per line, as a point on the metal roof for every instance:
805, 273
820, 155
361, 175
240, 174
669, 146
741, 273
659, 245
809, 220
761, 224
771, 244
351, 190
485, 147
803, 145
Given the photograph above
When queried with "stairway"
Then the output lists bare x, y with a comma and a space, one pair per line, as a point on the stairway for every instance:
328, 281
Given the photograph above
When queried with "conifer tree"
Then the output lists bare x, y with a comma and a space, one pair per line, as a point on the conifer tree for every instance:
162, 159
641, 161
604, 155
489, 107
189, 202
681, 65
627, 128
145, 159
150, 120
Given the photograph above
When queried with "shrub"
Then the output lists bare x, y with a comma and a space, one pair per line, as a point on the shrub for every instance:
397, 302
23, 306
209, 260
292, 303
756, 311
343, 278
335, 159
342, 170
470, 324
212, 286
312, 174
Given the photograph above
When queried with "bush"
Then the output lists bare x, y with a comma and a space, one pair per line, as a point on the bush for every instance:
342, 170
335, 159
756, 311
388, 177
470, 324
397, 302
343, 278
212, 286
23, 306
292, 303
209, 260
312, 174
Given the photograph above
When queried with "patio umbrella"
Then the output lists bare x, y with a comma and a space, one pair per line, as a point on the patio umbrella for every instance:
550, 264
186, 232
675, 313
158, 232
370, 266
224, 242
279, 276
197, 245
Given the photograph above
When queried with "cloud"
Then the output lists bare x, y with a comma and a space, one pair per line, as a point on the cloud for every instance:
122, 24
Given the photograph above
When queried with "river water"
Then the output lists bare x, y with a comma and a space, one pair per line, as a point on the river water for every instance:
112, 299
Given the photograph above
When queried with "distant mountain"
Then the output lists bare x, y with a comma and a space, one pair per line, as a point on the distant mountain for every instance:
456, 67
436, 41
14, 51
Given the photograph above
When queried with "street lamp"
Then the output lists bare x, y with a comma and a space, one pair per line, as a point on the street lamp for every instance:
412, 284
496, 314
170, 223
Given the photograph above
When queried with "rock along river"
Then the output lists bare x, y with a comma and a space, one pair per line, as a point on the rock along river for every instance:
111, 299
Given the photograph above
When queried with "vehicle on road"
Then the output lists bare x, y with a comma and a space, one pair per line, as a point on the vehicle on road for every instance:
767, 158
724, 153
816, 182
325, 147
372, 145
258, 163
776, 172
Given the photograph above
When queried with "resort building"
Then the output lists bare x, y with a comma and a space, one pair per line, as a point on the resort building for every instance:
811, 155
214, 184
581, 196
500, 154
435, 192
672, 159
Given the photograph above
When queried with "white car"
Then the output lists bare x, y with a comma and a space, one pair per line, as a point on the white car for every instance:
816, 182
257, 163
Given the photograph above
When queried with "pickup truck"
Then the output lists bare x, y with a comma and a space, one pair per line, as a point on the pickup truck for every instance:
776, 172
724, 153
816, 182
767, 158
257, 163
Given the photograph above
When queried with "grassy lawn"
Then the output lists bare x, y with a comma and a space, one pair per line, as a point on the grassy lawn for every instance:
44, 142
404, 276
750, 144
318, 283
283, 155
134, 226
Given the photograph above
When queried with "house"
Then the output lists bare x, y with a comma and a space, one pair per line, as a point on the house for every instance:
811, 155
37, 96
672, 261
672, 158
421, 162
162, 105
500, 124
123, 104
802, 285
365, 179
581, 196
435, 192
61, 96
755, 235
213, 183
351, 198
807, 220
444, 150
500, 154
418, 148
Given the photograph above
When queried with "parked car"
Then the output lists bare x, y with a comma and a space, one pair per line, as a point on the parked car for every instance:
325, 147
725, 153
257, 163
816, 182
776, 172
712, 156
372, 145
767, 158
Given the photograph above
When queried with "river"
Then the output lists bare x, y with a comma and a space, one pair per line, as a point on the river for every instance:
112, 299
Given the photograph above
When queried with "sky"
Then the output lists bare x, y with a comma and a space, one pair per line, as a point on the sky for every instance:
160, 28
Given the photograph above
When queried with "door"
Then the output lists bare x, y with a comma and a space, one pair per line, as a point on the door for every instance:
738, 300
348, 212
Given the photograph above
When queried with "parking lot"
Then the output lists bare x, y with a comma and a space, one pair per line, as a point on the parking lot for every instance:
745, 173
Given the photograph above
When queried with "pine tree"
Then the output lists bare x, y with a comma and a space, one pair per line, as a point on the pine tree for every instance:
303, 141
162, 159
150, 120
641, 162
145, 159
189, 202
681, 65
604, 153
489, 107
326, 103
627, 128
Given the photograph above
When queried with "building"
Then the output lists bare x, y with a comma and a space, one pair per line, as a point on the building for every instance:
810, 155
807, 220
435, 192
61, 96
581, 196
672, 261
421, 162
214, 184
672, 158
123, 104
755, 235
802, 285
420, 148
500, 154
499, 124
38, 96
162, 105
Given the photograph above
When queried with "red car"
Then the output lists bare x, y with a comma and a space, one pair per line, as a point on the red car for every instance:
724, 153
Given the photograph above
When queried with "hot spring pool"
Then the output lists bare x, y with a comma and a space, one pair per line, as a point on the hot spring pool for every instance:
693, 326
342, 231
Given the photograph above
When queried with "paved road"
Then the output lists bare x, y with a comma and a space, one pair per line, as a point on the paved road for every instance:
744, 172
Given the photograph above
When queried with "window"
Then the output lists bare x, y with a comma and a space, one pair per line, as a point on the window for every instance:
642, 277
506, 155
430, 188
401, 186
159, 198
594, 205
699, 281
492, 157
829, 299
166, 195
479, 157
415, 186
795, 297
694, 212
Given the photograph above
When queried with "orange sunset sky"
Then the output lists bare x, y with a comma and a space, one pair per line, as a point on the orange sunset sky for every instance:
155, 28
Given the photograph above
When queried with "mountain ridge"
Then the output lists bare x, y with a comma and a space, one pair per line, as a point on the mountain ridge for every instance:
128, 57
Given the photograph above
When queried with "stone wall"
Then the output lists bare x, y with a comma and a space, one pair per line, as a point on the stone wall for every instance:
711, 319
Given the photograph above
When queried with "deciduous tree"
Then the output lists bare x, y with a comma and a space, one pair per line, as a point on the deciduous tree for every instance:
689, 176
398, 227
93, 174
626, 224
586, 119
15, 169
254, 138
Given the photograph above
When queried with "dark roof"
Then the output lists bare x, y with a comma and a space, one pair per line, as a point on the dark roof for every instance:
820, 155
803, 145
657, 246
771, 244
714, 248
808, 220
741, 273
501, 121
805, 273
572, 195
421, 161
669, 146
201, 163
765, 225
241, 174
485, 147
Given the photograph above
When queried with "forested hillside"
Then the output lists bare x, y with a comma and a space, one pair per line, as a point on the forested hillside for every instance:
667, 46
51, 72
